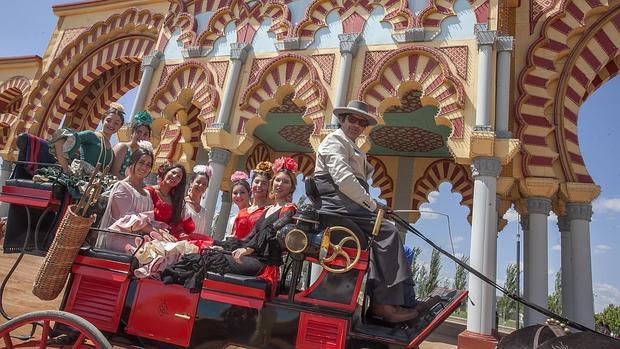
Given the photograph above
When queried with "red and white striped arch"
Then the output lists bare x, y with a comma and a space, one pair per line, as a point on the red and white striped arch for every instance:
247, 19
194, 76
12, 90
121, 39
109, 87
353, 15
382, 180
296, 72
440, 171
577, 52
420, 68
305, 163
7, 124
259, 154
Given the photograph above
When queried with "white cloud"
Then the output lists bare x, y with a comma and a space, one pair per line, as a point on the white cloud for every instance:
605, 294
553, 217
556, 247
606, 205
511, 215
602, 248
428, 214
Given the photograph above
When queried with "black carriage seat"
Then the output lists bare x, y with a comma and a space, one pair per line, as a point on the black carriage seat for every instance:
87, 251
242, 280
37, 196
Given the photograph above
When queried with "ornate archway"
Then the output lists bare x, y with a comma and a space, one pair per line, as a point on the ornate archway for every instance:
440, 171
420, 69
281, 76
382, 180
576, 53
120, 40
182, 106
12, 94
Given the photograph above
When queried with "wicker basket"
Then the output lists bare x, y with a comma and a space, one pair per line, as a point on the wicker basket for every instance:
54, 272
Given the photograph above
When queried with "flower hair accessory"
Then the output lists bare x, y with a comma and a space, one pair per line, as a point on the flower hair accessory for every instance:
200, 169
163, 168
285, 163
143, 117
263, 166
117, 106
238, 176
146, 145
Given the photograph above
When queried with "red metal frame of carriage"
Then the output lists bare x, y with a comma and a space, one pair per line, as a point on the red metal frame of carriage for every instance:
105, 304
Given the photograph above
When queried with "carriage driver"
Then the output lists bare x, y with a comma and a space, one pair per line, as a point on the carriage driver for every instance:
341, 176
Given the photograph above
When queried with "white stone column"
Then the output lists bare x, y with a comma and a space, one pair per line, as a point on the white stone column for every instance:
238, 54
218, 158
222, 218
348, 49
502, 94
535, 261
149, 64
486, 39
480, 316
5, 172
568, 283
580, 215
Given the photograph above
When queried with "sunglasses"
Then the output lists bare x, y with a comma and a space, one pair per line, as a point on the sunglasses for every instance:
360, 121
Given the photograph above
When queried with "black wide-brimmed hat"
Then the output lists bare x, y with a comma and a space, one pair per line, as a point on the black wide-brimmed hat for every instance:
357, 108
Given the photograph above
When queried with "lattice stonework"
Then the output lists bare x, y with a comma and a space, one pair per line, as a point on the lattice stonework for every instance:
562, 66
326, 63
370, 62
260, 153
381, 179
443, 170
410, 102
538, 8
459, 56
288, 106
297, 134
258, 64
423, 65
67, 37
166, 72
407, 139
220, 70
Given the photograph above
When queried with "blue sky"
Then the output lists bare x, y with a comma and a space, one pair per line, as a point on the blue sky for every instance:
599, 129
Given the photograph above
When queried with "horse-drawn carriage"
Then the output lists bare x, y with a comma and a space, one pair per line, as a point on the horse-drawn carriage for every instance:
104, 303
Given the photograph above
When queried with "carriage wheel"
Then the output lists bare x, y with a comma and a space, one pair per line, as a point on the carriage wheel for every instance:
33, 330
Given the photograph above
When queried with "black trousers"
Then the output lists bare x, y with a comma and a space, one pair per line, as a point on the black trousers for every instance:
249, 265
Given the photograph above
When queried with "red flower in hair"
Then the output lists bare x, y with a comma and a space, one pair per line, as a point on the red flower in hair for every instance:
286, 163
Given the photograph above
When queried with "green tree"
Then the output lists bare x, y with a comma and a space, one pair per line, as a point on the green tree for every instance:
610, 317
460, 276
555, 299
505, 306
415, 266
432, 275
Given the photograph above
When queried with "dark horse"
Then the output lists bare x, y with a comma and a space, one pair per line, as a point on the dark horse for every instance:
554, 335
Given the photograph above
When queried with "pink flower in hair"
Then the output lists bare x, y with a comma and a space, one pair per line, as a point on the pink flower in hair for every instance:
285, 162
238, 176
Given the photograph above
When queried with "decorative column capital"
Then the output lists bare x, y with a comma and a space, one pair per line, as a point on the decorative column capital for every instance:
579, 211
563, 224
485, 166
152, 60
484, 36
239, 51
349, 43
219, 156
505, 43
538, 206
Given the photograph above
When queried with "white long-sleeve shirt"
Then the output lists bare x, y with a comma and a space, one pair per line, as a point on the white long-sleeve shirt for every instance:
339, 157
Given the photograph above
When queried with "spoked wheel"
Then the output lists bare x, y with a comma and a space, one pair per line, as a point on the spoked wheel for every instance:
37, 330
